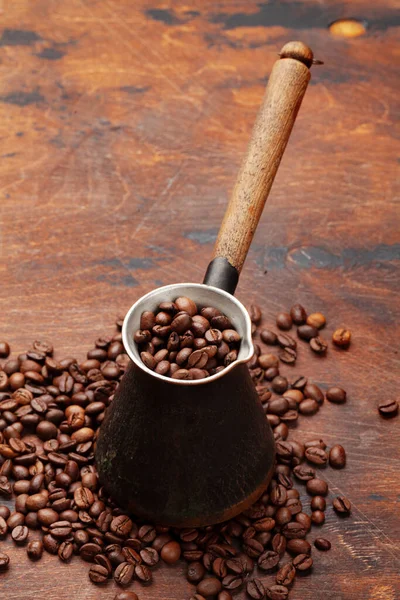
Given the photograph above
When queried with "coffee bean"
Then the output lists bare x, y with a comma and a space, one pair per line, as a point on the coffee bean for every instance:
268, 560
318, 345
224, 595
284, 321
316, 320
279, 384
277, 592
149, 556
3, 527
294, 530
297, 546
255, 589
35, 549
232, 582
269, 337
322, 544
316, 456
337, 457
286, 575
308, 407
302, 562
318, 517
307, 332
298, 314
255, 313
317, 487
126, 596
317, 443
4, 561
388, 408
209, 587
304, 473
98, 574
83, 497
143, 573
195, 572
278, 543
171, 552
20, 534
342, 337
342, 505
66, 551
318, 503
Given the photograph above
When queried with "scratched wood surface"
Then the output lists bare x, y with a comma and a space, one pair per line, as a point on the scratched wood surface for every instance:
122, 128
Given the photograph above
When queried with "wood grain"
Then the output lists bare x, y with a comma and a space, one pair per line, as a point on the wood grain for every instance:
285, 91
123, 126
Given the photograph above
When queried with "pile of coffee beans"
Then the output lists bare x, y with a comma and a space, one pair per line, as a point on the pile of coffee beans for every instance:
50, 413
180, 341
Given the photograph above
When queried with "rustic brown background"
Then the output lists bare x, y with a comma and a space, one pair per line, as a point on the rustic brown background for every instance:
122, 128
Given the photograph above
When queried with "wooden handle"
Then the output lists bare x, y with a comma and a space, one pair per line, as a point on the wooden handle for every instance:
285, 90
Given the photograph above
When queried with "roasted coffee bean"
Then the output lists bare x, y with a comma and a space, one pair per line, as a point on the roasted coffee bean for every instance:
4, 561
278, 543
318, 503
149, 556
342, 505
317, 487
302, 562
20, 534
337, 457
278, 406
232, 582
255, 589
294, 530
126, 596
276, 592
287, 355
322, 544
66, 551
98, 574
143, 573
388, 408
171, 552
342, 337
268, 360
269, 337
34, 550
317, 443
308, 407
298, 314
209, 587
336, 395
296, 546
255, 313
319, 345
316, 456
307, 332
284, 321
268, 560
304, 519
195, 572
3, 527
279, 384
286, 575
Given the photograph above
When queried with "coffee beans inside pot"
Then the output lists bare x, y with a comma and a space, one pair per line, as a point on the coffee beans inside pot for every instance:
184, 341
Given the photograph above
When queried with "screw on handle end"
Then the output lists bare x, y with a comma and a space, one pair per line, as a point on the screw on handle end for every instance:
300, 52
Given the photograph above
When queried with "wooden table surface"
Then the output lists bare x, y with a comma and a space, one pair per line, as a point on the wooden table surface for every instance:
122, 128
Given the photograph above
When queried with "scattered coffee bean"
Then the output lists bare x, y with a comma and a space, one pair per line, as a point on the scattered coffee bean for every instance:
388, 408
342, 337
336, 395
317, 487
318, 345
302, 562
126, 596
277, 592
315, 455
318, 517
269, 337
307, 332
318, 503
337, 457
171, 553
322, 544
98, 574
209, 587
4, 561
298, 314
316, 320
284, 321
342, 505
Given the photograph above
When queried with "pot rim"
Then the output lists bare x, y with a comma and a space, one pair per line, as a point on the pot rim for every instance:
246, 347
